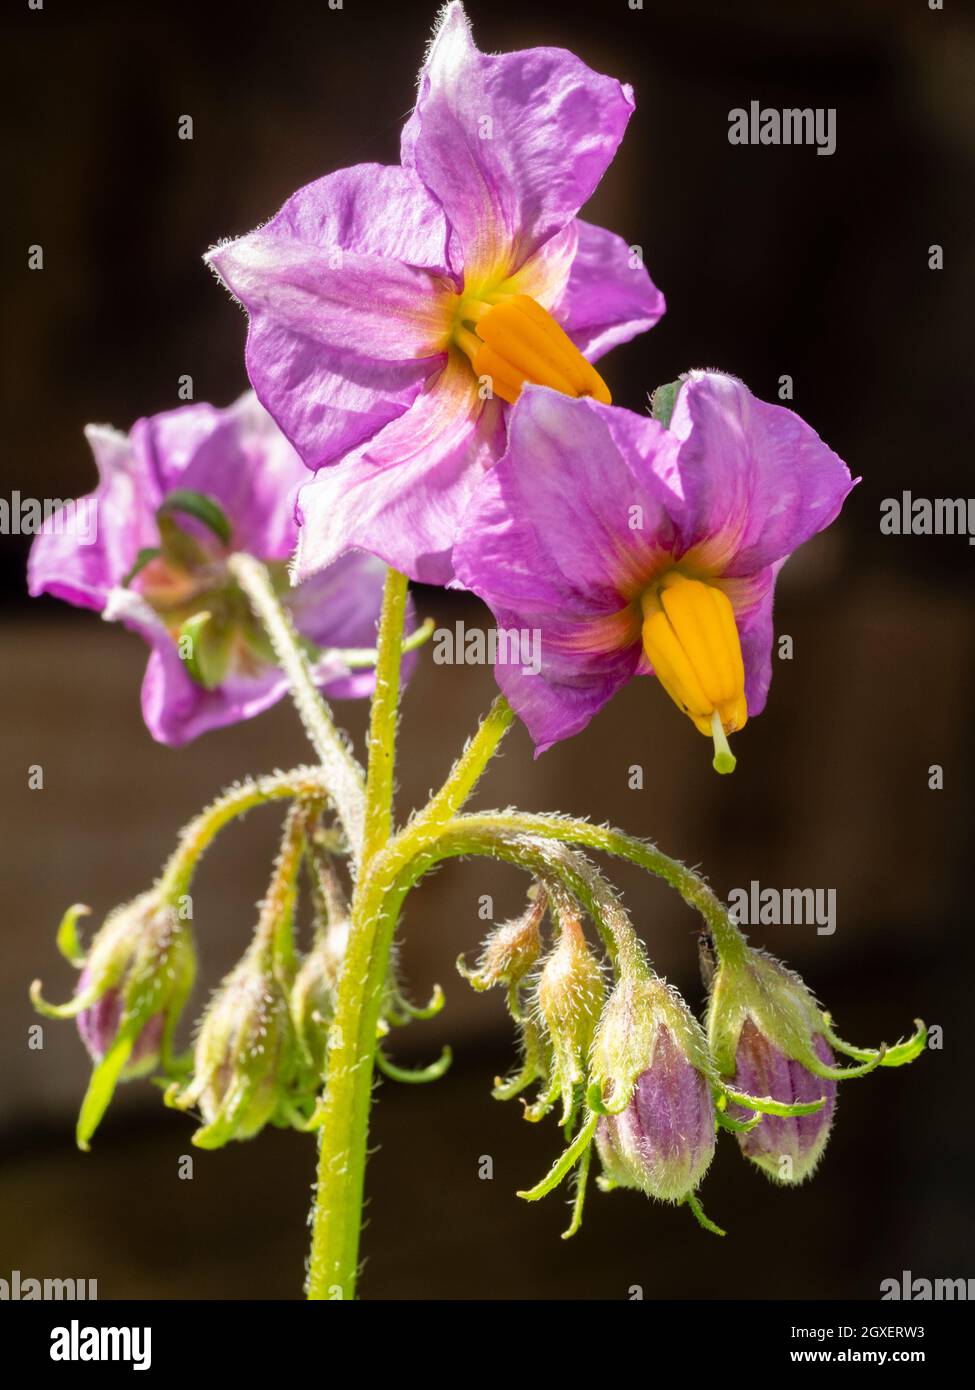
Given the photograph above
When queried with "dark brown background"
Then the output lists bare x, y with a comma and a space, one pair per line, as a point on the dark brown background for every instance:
774, 261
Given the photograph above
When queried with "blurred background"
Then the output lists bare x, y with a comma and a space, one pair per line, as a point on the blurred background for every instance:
774, 261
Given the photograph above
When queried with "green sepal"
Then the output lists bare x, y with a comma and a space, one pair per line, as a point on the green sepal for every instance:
897, 1056
724, 1121
564, 1164
104, 1078
68, 942
95, 989
146, 555
581, 1182
210, 645
703, 1221
201, 507
401, 1011
663, 401
415, 1076
767, 1105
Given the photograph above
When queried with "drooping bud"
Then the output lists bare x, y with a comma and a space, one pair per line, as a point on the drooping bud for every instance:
510, 950
787, 1147
312, 998
773, 1048
134, 981
652, 1079
242, 1057
98, 1028
570, 999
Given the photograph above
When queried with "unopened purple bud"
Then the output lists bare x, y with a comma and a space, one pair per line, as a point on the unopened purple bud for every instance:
99, 1026
787, 1147
663, 1142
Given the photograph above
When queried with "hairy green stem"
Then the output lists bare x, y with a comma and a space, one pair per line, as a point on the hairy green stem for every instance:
383, 716
337, 1212
300, 783
692, 888
380, 891
342, 772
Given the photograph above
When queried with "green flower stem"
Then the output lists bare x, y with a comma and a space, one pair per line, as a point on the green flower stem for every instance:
466, 771
383, 715
342, 773
692, 888
547, 859
387, 876
357, 658
302, 783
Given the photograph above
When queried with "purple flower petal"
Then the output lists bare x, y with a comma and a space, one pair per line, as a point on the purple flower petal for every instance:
403, 495
756, 480
557, 541
345, 292
607, 300
511, 145
240, 459
591, 503
63, 563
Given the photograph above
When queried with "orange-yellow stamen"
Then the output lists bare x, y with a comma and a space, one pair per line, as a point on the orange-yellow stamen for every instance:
511, 339
691, 640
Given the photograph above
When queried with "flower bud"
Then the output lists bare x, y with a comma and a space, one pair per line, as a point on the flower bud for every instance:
134, 982
312, 997
653, 1075
787, 1147
98, 1027
570, 997
511, 949
242, 1057
771, 1042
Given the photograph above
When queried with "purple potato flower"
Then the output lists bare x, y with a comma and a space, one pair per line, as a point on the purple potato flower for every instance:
624, 547
176, 495
394, 310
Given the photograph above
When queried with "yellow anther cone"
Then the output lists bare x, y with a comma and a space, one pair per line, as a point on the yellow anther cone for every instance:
691, 639
514, 341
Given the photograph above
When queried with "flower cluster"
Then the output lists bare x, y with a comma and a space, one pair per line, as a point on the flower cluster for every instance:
260, 1050
421, 346
655, 1087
